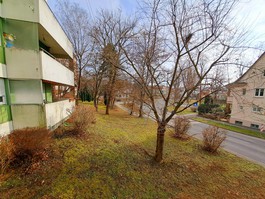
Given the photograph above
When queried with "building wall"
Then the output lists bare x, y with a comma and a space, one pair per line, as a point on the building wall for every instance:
26, 92
242, 104
5, 111
28, 116
26, 73
12, 9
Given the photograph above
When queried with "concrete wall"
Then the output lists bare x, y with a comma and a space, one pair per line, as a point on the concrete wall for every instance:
6, 128
54, 71
58, 111
26, 92
28, 116
23, 64
26, 10
3, 70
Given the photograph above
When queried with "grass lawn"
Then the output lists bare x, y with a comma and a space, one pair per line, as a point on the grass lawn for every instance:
185, 112
115, 161
231, 127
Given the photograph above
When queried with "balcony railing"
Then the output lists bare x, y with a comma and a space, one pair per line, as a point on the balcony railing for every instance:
57, 112
54, 71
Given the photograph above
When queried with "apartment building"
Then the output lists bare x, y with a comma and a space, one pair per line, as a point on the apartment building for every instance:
247, 96
36, 67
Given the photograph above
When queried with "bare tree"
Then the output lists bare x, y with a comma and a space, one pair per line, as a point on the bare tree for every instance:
184, 39
111, 63
77, 28
111, 30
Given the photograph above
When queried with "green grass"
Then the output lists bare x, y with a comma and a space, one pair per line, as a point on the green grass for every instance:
231, 127
185, 112
115, 161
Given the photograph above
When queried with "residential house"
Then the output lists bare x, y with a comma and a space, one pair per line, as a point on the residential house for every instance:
247, 96
36, 67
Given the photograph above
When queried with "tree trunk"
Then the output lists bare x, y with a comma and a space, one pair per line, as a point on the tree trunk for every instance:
141, 104
132, 107
95, 104
160, 142
108, 104
141, 109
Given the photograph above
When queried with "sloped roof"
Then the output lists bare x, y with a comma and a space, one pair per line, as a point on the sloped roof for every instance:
237, 82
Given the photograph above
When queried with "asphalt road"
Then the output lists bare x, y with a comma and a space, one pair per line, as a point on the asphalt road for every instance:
244, 146
248, 147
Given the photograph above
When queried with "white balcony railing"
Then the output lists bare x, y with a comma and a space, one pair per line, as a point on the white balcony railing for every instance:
54, 71
50, 23
58, 111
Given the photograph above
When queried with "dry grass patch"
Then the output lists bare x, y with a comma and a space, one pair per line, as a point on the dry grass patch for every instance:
115, 162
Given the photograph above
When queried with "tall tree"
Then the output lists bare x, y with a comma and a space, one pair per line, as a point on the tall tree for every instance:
111, 30
75, 22
110, 62
184, 39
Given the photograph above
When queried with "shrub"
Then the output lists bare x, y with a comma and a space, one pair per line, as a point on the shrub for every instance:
29, 145
82, 118
62, 131
213, 138
207, 108
181, 127
6, 153
193, 108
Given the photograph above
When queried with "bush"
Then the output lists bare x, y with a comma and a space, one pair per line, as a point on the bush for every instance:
193, 108
29, 145
213, 138
82, 118
181, 127
207, 108
62, 131
6, 153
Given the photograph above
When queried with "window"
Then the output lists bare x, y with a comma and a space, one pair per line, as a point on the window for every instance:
241, 107
264, 73
256, 108
239, 123
244, 91
259, 92
254, 126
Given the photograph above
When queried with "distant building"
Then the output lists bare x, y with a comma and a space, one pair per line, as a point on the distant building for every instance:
247, 96
36, 67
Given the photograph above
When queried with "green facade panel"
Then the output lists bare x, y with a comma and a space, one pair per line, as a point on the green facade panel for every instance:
47, 89
5, 114
2, 52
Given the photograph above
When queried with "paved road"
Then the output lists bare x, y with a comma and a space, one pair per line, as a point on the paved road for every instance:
241, 145
248, 147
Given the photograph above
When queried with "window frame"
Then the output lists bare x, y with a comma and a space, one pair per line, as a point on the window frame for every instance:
259, 92
254, 126
244, 91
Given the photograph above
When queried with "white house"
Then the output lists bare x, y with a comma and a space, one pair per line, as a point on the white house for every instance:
247, 96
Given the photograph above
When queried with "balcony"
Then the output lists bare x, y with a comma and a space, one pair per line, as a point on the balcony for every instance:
49, 29
53, 71
57, 112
